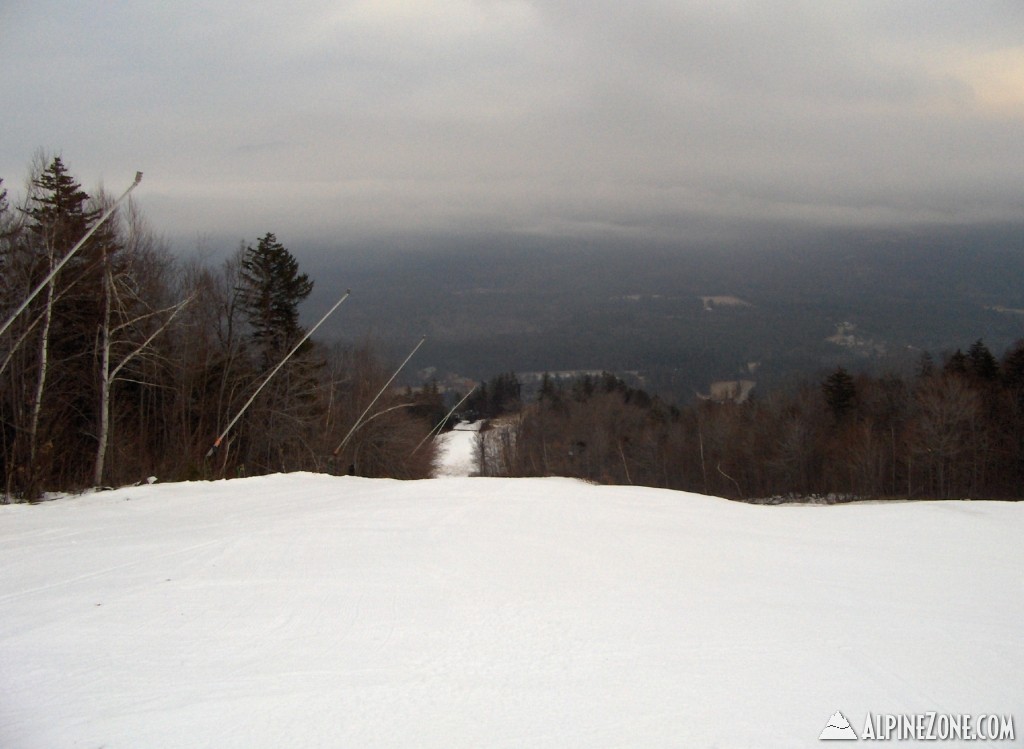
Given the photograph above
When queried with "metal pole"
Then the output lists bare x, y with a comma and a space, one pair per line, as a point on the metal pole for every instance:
273, 372
437, 429
107, 214
378, 395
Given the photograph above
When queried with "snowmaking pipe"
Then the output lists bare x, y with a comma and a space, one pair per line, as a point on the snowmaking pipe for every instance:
35, 292
437, 429
359, 421
273, 372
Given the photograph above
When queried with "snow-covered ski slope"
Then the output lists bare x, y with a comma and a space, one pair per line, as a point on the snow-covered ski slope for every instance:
457, 450
316, 611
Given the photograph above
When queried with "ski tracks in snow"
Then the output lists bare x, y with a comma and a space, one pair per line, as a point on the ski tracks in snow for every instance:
149, 560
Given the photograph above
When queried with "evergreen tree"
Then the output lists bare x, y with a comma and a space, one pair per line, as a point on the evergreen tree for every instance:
58, 214
1013, 367
981, 363
269, 294
957, 364
925, 365
506, 392
479, 402
840, 392
502, 395
549, 391
583, 388
63, 386
281, 422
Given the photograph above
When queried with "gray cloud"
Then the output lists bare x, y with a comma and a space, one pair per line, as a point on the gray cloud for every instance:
356, 118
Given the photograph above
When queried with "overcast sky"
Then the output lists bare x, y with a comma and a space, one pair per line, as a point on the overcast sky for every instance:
331, 118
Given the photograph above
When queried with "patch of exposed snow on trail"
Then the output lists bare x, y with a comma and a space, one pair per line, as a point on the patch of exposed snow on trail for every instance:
307, 610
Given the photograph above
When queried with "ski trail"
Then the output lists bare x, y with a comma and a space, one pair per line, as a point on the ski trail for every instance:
106, 570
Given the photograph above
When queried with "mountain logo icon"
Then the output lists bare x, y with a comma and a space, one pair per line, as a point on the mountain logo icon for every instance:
838, 729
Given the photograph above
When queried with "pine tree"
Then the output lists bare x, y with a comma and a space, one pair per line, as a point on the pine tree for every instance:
925, 365
981, 363
506, 394
957, 364
269, 295
68, 313
840, 392
549, 391
270, 289
59, 215
479, 402
1013, 367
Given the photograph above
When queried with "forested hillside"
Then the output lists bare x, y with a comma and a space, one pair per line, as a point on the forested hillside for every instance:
953, 430
130, 362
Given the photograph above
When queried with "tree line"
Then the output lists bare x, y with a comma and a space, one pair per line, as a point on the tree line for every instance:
130, 361
950, 430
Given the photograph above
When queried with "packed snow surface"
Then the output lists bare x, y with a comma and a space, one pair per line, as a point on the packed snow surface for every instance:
307, 610
457, 450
